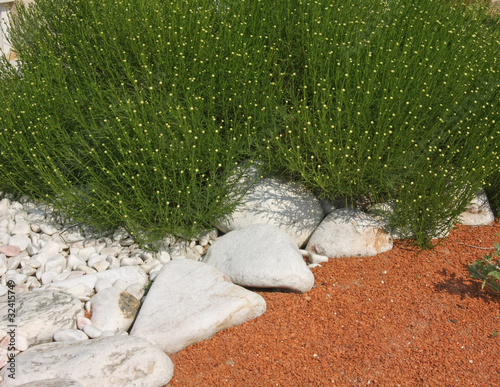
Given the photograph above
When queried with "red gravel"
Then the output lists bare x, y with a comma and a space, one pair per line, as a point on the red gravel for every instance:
399, 318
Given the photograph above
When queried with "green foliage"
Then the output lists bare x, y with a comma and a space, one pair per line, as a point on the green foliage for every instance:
488, 270
393, 100
132, 113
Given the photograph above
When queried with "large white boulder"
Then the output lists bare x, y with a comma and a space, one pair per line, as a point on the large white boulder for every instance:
191, 301
285, 205
348, 232
261, 256
110, 361
40, 313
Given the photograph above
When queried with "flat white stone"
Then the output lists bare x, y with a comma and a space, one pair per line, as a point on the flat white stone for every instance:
109, 361
348, 232
261, 256
70, 335
21, 227
92, 331
51, 249
40, 313
285, 205
53, 382
20, 240
48, 228
102, 284
190, 301
129, 275
113, 309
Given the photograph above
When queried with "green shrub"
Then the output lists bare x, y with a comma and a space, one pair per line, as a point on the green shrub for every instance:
488, 269
132, 113
393, 101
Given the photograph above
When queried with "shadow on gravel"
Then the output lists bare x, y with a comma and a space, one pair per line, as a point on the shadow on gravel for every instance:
464, 287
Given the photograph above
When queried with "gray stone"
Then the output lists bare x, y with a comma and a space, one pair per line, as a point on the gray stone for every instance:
261, 256
348, 232
40, 313
109, 361
190, 301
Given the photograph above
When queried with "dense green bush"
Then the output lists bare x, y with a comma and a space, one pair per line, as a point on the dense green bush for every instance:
134, 113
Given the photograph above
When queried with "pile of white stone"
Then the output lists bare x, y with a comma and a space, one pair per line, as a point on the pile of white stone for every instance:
86, 312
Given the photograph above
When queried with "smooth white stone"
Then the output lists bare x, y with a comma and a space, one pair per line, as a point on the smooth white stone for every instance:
120, 284
3, 268
113, 262
45, 238
51, 248
82, 321
41, 257
85, 253
93, 259
130, 275
72, 236
21, 343
70, 335
27, 270
80, 290
477, 213
109, 361
73, 250
136, 290
48, 276
20, 240
102, 284
127, 242
99, 247
48, 228
61, 276
107, 333
201, 301
86, 269
74, 261
113, 309
74, 274
317, 259
149, 264
14, 262
4, 239
163, 256
112, 250
17, 278
92, 331
40, 313
154, 272
57, 262
57, 238
261, 256
39, 273
53, 382
35, 227
32, 249
129, 261
32, 283
21, 227
88, 306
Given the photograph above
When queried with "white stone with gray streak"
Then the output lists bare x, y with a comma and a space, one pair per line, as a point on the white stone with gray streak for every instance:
40, 313
113, 309
110, 361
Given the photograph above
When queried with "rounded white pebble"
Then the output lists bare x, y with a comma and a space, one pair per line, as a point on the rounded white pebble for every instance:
92, 332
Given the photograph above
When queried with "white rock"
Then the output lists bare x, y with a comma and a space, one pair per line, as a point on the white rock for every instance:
94, 258
51, 249
48, 228
57, 263
102, 284
191, 301
20, 240
72, 236
4, 239
21, 343
32, 283
53, 382
110, 361
17, 278
81, 321
74, 261
107, 333
92, 332
80, 290
62, 276
101, 266
48, 276
3, 268
70, 335
40, 313
477, 213
32, 249
349, 232
137, 290
86, 252
35, 227
261, 256
285, 205
26, 270
86, 269
112, 250
149, 264
120, 285
21, 227
113, 309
